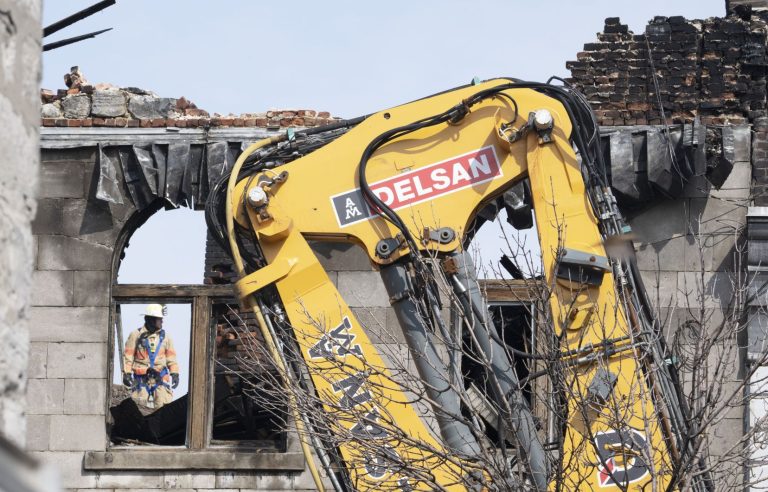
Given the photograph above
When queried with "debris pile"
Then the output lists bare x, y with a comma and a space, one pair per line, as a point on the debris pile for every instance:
84, 104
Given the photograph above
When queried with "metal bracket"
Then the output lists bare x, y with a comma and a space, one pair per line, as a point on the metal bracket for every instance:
264, 276
601, 386
444, 235
584, 268
386, 247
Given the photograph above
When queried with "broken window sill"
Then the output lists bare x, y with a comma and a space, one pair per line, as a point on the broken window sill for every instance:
185, 459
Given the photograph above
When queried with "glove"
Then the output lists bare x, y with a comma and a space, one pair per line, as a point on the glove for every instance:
174, 380
127, 380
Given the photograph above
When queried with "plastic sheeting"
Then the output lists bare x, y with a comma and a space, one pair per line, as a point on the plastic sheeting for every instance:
647, 162
110, 177
179, 174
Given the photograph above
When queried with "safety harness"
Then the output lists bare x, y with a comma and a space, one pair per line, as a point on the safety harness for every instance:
142, 380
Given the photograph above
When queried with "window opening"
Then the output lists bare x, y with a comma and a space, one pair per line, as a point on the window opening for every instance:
246, 406
151, 373
169, 248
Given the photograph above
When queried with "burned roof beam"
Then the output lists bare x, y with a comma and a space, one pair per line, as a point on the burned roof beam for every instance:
65, 42
76, 17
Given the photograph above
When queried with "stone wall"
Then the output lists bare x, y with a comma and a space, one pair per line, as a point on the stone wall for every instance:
77, 250
19, 118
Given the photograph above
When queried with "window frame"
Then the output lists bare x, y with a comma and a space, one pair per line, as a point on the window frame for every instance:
201, 299
198, 453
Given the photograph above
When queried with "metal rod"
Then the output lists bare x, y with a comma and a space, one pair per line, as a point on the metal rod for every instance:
77, 16
456, 434
506, 390
65, 42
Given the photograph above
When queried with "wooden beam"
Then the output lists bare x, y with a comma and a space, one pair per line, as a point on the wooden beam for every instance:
512, 290
181, 459
151, 291
199, 425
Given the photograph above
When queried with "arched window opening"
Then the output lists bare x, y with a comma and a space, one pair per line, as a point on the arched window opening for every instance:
196, 393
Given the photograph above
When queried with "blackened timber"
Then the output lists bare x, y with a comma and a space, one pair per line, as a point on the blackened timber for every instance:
77, 17
149, 291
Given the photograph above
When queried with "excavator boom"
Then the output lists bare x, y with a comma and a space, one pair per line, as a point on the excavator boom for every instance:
406, 185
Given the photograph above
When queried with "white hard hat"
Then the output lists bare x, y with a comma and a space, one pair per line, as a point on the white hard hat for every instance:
155, 310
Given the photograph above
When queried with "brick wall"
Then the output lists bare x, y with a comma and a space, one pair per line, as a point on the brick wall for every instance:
713, 69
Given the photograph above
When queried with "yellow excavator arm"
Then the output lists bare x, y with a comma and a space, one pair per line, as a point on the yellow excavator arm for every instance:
406, 184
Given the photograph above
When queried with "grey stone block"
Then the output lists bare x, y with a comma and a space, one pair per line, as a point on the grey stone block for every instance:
66, 253
189, 480
662, 255
76, 106
92, 288
341, 256
737, 143
254, 481
52, 288
62, 324
78, 433
131, 479
380, 324
363, 289
661, 222
50, 111
108, 104
738, 183
661, 288
717, 216
725, 435
148, 107
236, 480
724, 253
62, 180
697, 187
85, 154
38, 432
90, 220
38, 360
77, 360
708, 290
55, 216
85, 396
70, 468
45, 396
696, 254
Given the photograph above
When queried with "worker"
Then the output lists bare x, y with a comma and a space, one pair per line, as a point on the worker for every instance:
150, 368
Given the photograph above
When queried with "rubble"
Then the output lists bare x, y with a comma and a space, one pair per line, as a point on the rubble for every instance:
84, 104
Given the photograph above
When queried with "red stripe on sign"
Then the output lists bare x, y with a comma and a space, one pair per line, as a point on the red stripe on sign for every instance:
438, 179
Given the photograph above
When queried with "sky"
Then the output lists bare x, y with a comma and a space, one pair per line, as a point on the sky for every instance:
346, 57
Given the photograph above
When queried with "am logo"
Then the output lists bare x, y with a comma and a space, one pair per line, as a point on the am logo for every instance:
622, 457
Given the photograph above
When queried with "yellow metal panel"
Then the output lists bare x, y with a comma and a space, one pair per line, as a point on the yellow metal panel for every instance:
417, 171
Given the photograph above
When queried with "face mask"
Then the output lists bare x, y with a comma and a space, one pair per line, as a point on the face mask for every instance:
152, 325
